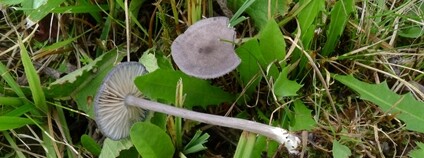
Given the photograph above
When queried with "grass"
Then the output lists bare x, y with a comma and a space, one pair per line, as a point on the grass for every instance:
51, 71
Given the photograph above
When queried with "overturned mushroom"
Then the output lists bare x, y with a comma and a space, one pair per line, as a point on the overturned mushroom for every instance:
206, 49
113, 117
118, 106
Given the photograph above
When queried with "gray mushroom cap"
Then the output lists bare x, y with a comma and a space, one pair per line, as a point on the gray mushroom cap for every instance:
113, 117
205, 50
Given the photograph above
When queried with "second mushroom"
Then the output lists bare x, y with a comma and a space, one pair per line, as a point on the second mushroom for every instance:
206, 49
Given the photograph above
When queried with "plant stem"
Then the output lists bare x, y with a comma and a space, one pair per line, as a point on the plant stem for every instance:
179, 100
278, 134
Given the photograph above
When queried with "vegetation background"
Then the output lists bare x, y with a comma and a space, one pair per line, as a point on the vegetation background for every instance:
346, 76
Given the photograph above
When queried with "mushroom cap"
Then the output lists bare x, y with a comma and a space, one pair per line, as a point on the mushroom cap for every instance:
205, 50
113, 117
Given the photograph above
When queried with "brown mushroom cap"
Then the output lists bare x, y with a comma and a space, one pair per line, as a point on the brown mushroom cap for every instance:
113, 117
205, 50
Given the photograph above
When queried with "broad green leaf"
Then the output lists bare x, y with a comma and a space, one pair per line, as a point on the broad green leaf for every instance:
302, 117
308, 15
164, 62
284, 87
338, 19
83, 83
33, 80
10, 122
161, 85
159, 119
272, 46
340, 150
151, 141
414, 29
271, 42
250, 66
79, 74
418, 152
404, 106
262, 146
412, 32
91, 145
129, 153
149, 61
112, 148
258, 11
196, 143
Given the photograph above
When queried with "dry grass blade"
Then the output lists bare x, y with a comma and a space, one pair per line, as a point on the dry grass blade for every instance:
320, 76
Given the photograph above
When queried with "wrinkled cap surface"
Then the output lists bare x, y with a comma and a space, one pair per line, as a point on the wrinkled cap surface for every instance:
113, 117
206, 49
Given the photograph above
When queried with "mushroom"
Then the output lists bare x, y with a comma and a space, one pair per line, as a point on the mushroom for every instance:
113, 117
205, 50
119, 104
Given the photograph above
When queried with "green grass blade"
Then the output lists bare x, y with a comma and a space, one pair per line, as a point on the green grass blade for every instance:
4, 72
40, 12
245, 145
11, 2
106, 27
48, 144
95, 15
20, 110
33, 80
197, 143
132, 14
339, 17
236, 18
10, 122
11, 101
87, 8
307, 25
65, 130
13, 145
259, 11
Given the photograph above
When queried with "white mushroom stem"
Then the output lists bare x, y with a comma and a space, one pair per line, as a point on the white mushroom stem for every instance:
290, 141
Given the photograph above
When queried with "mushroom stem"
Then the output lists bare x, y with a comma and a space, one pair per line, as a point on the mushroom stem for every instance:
280, 135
